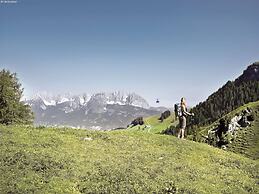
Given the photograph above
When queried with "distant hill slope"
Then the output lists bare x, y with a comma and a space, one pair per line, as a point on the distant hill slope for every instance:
43, 160
154, 125
231, 96
247, 139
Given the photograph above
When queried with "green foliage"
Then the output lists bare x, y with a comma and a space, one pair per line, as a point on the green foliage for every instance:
195, 135
226, 99
49, 160
12, 110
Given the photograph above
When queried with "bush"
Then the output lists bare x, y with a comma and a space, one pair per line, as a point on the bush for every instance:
165, 115
251, 117
171, 130
137, 121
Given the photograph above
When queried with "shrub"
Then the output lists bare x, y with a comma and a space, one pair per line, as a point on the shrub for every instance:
164, 115
137, 121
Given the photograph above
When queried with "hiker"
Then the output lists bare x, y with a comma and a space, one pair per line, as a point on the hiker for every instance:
182, 114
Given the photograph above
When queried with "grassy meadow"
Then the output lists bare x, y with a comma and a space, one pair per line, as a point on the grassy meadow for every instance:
50, 160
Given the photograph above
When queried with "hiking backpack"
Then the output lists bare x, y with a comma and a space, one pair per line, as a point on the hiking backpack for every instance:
178, 110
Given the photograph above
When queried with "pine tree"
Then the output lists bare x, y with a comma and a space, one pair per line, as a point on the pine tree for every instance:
226, 99
12, 110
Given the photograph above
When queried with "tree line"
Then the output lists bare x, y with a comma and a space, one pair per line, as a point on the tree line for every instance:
231, 96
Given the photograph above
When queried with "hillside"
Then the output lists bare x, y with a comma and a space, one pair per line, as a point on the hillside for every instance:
154, 125
232, 95
246, 142
49, 160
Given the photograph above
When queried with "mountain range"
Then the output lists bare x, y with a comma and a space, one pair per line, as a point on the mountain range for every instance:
98, 111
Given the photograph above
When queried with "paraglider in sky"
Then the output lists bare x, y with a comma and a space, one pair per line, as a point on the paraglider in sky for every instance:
157, 101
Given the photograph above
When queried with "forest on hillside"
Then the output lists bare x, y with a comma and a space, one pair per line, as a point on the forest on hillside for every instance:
226, 99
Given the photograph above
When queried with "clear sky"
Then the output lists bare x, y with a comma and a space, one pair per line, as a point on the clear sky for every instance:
157, 48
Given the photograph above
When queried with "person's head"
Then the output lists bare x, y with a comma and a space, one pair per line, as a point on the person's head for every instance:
183, 101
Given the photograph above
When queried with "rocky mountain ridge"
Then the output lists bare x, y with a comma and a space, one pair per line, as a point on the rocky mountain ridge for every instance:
250, 74
97, 111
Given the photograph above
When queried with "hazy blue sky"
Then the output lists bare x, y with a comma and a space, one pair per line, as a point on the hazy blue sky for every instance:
157, 48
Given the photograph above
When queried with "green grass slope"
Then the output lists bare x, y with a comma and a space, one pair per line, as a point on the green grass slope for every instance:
153, 125
45, 160
247, 139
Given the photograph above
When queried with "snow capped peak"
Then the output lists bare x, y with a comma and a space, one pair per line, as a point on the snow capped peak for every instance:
96, 102
64, 99
52, 100
47, 99
97, 111
61, 98
121, 98
84, 98
136, 100
49, 103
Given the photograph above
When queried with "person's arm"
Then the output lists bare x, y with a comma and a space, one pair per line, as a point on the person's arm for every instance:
187, 113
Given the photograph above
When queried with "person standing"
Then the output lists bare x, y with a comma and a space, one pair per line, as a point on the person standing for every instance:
182, 118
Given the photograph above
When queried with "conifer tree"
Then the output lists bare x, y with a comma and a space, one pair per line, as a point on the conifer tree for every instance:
12, 110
